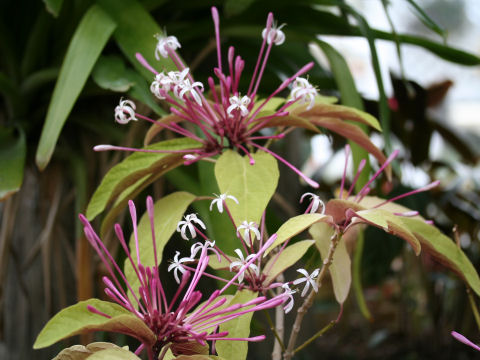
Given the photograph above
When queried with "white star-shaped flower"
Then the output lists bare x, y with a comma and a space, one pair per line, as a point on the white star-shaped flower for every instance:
275, 34
125, 111
289, 293
163, 43
248, 228
177, 266
185, 86
208, 246
304, 91
242, 262
316, 202
308, 280
238, 103
165, 83
183, 225
220, 199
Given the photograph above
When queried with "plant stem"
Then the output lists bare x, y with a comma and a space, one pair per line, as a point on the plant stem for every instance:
279, 346
318, 334
474, 307
272, 327
309, 300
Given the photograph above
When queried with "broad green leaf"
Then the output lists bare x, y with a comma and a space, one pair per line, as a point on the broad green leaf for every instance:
288, 257
357, 276
53, 6
444, 250
390, 223
88, 41
237, 328
13, 150
135, 167
156, 129
340, 268
77, 319
236, 7
350, 97
252, 185
289, 120
114, 354
427, 20
295, 226
168, 211
135, 34
80, 352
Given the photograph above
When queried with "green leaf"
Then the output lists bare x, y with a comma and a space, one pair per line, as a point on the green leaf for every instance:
134, 168
340, 268
237, 328
77, 319
88, 41
135, 33
53, 6
236, 7
288, 257
390, 223
252, 185
201, 357
13, 149
295, 226
80, 352
110, 73
427, 20
444, 250
168, 211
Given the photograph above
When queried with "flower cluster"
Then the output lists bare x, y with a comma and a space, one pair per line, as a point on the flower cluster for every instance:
182, 319
225, 118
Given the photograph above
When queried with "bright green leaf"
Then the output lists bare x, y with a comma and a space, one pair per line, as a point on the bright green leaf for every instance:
113, 354
288, 257
80, 352
135, 167
77, 319
110, 73
252, 185
444, 250
13, 149
168, 211
340, 268
237, 328
295, 226
236, 7
201, 357
88, 41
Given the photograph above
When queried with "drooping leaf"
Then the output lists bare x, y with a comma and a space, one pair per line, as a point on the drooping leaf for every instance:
134, 168
295, 226
80, 352
354, 133
427, 20
77, 319
110, 73
444, 250
156, 129
168, 212
252, 185
288, 257
390, 223
340, 268
237, 328
88, 41
190, 348
13, 149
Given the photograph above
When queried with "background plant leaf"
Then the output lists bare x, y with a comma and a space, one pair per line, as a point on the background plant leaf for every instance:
85, 47
13, 150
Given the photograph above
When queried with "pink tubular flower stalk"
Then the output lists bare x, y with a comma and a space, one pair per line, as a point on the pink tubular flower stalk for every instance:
464, 340
230, 118
180, 320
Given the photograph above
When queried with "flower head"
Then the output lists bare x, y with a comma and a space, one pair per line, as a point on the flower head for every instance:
183, 319
220, 200
237, 265
288, 292
188, 224
249, 228
125, 111
304, 91
275, 34
315, 204
239, 104
164, 44
308, 280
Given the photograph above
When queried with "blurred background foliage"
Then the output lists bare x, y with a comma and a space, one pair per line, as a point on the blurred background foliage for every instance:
63, 67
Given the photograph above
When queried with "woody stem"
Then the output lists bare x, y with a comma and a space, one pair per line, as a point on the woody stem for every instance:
289, 352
